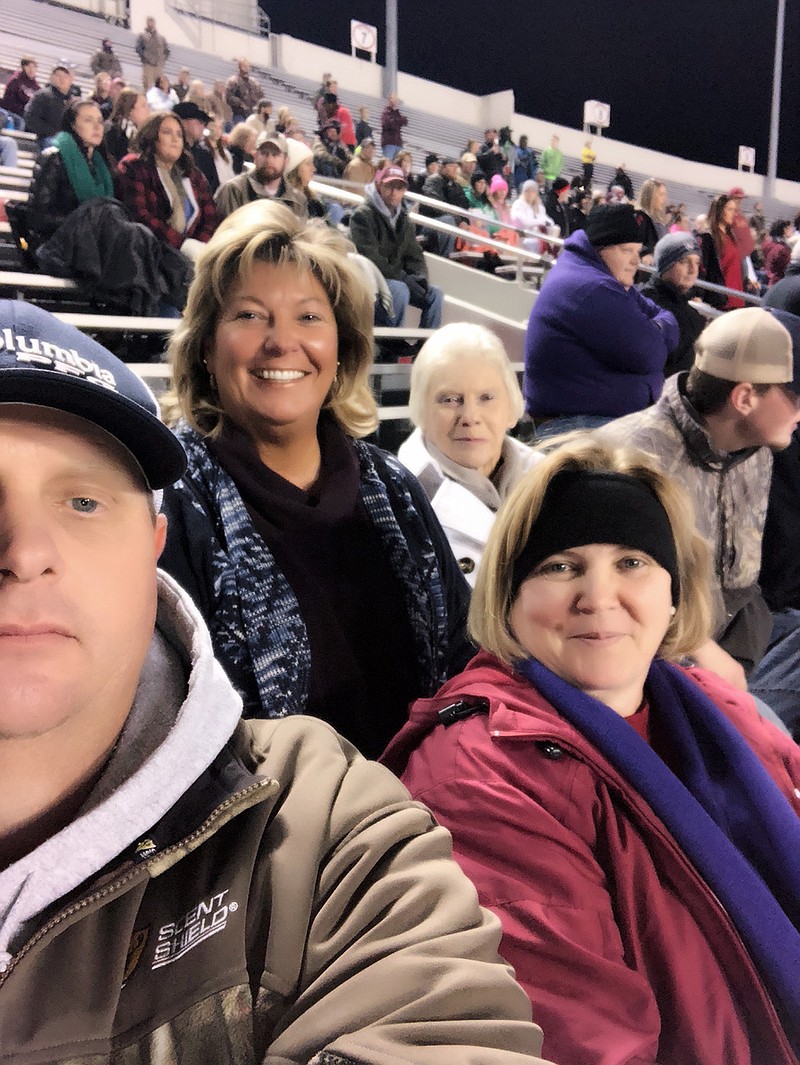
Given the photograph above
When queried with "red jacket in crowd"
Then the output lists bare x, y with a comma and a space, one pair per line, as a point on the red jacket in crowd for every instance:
624, 950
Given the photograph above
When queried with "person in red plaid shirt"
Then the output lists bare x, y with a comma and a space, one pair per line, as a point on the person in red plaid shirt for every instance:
162, 187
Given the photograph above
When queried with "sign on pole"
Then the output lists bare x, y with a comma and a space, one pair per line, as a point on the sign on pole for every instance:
596, 114
747, 158
363, 38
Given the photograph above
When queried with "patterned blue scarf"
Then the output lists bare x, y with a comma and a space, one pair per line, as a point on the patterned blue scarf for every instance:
257, 627
725, 812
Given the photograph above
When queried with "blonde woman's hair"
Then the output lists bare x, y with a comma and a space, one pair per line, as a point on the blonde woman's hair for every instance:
489, 611
197, 94
452, 345
646, 196
240, 134
264, 232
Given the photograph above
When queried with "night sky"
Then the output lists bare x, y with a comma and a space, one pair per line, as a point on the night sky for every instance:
691, 77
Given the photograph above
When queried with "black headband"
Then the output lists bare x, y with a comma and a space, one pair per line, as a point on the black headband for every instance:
586, 507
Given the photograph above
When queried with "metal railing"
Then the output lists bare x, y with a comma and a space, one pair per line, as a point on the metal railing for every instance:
471, 215
517, 255
239, 14
335, 188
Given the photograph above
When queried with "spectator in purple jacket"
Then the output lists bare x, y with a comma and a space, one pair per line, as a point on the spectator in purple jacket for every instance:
21, 87
595, 347
392, 122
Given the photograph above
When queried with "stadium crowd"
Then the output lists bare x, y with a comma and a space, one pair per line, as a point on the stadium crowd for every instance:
565, 615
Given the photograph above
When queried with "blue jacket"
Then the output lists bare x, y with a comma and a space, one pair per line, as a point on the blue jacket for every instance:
592, 346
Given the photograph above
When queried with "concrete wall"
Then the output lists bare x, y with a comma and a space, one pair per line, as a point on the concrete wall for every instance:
439, 99
107, 8
656, 164
311, 61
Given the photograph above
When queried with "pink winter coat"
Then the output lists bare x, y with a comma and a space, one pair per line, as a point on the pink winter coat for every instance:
626, 954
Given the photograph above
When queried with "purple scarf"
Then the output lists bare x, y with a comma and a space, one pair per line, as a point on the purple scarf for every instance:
724, 811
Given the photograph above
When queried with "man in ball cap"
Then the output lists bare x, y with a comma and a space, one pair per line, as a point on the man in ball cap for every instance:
381, 231
715, 429
443, 186
677, 264
330, 155
595, 347
264, 181
171, 876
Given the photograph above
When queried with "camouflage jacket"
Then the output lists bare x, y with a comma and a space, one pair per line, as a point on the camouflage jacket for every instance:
729, 491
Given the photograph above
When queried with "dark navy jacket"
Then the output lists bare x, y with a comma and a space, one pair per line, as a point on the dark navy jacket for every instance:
592, 346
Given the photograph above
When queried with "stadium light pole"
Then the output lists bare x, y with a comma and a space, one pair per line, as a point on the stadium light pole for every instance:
390, 67
775, 112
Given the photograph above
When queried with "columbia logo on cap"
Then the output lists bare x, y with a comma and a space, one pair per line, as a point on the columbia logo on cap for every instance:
36, 352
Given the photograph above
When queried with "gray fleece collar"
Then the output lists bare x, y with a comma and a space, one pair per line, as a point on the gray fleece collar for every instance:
175, 730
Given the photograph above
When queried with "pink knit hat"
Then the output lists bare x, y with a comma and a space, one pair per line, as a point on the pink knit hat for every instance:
498, 183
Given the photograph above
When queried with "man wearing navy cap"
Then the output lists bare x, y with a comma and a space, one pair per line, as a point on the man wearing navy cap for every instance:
176, 884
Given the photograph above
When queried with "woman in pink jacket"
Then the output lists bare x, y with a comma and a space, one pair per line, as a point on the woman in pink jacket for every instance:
633, 823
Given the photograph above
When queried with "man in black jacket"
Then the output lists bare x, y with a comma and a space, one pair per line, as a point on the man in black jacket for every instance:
46, 108
381, 231
677, 263
622, 179
444, 187
491, 157
194, 122
416, 182
557, 206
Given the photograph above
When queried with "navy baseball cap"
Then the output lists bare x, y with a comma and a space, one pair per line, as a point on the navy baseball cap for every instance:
50, 364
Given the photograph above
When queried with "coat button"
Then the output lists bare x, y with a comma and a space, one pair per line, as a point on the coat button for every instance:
466, 565
550, 750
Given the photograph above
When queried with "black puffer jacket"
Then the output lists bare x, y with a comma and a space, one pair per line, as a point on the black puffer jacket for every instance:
116, 260
52, 197
44, 112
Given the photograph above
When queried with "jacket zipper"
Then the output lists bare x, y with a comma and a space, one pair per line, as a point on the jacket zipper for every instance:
131, 874
667, 839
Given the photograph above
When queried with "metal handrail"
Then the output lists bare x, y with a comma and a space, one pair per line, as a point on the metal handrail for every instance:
508, 250
748, 297
250, 17
446, 208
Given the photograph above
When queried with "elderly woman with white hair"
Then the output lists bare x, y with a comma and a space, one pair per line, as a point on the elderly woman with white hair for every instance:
464, 399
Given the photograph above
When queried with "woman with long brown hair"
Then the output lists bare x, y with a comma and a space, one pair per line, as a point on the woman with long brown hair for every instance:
222, 157
163, 188
130, 111
720, 252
